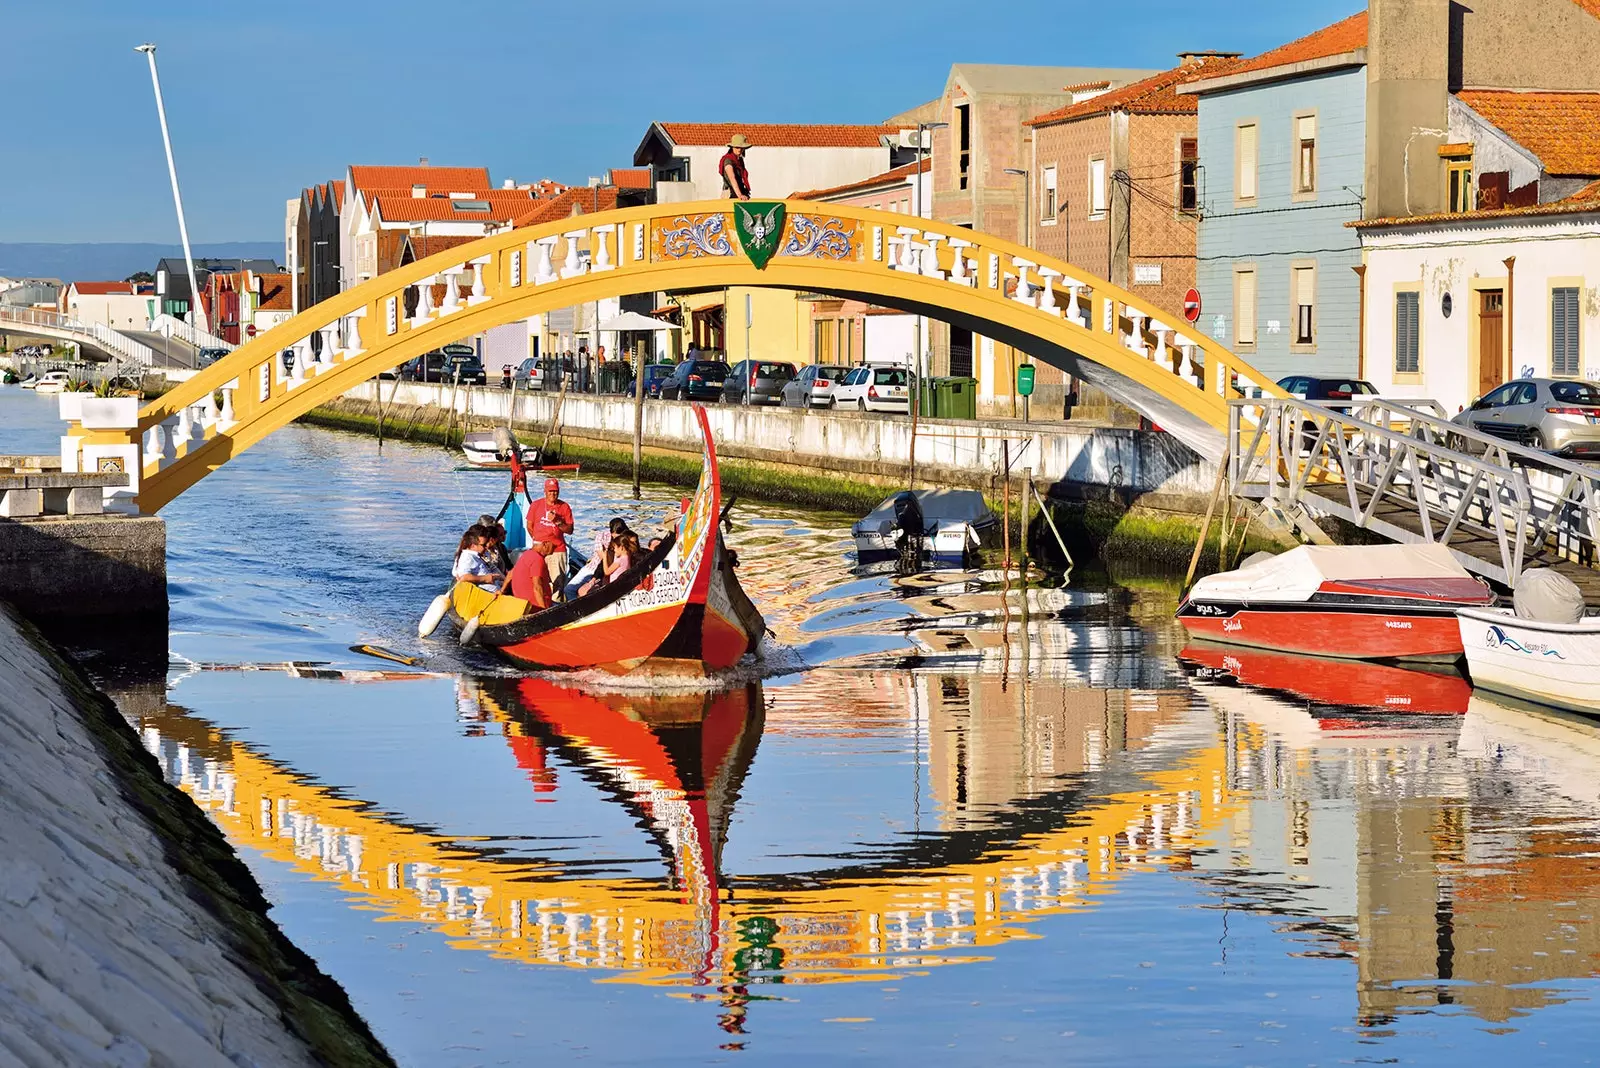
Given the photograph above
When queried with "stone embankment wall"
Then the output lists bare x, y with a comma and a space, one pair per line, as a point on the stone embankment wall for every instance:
1071, 460
130, 933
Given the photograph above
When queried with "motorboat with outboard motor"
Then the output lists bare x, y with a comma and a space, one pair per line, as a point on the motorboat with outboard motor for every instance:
1376, 602
940, 526
1542, 649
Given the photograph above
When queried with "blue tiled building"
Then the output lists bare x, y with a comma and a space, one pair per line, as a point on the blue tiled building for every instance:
1283, 160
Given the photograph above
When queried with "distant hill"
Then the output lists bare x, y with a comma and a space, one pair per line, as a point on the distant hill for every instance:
112, 261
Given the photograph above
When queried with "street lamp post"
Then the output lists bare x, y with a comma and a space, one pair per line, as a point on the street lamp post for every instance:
922, 322
195, 306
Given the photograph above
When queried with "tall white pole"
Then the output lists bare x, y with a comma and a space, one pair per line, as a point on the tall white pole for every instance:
196, 308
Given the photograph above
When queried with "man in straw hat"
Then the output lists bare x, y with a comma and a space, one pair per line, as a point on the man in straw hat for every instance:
735, 179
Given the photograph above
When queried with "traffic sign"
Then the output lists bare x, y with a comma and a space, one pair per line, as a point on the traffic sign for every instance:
1191, 305
250, 329
1025, 380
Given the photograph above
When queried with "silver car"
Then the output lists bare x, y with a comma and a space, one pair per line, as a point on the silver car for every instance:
1554, 414
813, 386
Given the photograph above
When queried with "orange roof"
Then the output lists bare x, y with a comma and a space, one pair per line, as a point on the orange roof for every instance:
1335, 40
1084, 87
455, 179
1586, 199
1591, 6
275, 293
630, 177
573, 201
1562, 129
391, 248
905, 170
101, 289
1155, 95
425, 245
504, 204
784, 135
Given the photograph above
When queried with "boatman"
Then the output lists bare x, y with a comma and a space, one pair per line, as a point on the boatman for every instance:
550, 521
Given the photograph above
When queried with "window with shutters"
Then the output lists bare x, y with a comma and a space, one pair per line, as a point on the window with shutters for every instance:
1189, 174
1097, 188
1407, 332
1305, 158
1244, 306
1245, 163
1047, 198
1565, 360
1303, 306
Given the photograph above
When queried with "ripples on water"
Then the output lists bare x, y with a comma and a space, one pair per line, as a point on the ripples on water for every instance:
937, 840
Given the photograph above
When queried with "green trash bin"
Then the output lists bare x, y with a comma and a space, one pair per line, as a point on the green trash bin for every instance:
955, 398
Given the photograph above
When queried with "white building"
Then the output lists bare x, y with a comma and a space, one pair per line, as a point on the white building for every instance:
118, 305
1456, 304
783, 157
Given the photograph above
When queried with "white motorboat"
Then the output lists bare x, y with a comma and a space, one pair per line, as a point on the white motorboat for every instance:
52, 382
949, 522
492, 448
1549, 663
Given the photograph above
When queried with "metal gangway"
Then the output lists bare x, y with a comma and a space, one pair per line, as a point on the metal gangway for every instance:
1404, 471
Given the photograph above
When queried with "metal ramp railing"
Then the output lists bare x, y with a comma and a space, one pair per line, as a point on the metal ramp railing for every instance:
1407, 473
97, 335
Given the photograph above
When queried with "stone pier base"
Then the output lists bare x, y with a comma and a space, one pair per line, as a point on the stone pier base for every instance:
65, 569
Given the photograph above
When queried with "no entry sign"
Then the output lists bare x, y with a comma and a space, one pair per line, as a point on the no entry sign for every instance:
1191, 305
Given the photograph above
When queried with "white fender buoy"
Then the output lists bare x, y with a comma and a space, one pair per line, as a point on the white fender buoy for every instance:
470, 631
431, 618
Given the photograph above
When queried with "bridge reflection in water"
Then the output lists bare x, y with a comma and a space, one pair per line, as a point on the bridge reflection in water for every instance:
1454, 860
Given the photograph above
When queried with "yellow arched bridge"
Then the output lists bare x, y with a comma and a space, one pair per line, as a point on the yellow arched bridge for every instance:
1056, 313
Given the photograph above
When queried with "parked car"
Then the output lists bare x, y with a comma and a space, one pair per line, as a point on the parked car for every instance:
1327, 389
695, 380
873, 389
763, 380
655, 374
813, 386
444, 365
209, 356
1554, 414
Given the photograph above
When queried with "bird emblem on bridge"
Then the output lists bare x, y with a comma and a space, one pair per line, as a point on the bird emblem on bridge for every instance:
760, 227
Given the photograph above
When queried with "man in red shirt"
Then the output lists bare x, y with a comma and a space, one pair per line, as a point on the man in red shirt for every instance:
550, 521
735, 179
529, 580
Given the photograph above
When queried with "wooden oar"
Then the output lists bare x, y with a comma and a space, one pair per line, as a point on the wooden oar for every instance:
386, 654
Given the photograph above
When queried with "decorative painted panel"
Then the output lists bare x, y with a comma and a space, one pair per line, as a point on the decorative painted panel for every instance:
691, 237
821, 237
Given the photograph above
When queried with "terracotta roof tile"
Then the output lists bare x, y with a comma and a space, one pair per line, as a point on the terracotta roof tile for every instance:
102, 289
1335, 40
888, 177
504, 205
630, 177
425, 245
1586, 199
391, 249
1084, 87
1155, 95
576, 200
785, 135
1591, 6
1562, 129
457, 179
275, 293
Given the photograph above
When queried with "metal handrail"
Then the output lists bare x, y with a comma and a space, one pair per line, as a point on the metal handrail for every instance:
1529, 502
107, 338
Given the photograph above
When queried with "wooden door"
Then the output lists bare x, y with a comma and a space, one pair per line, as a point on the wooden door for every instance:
1491, 339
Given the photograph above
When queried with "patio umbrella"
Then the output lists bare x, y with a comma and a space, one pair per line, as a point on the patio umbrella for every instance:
635, 321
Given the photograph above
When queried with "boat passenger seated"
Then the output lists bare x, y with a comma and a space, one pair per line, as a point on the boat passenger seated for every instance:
529, 580
620, 552
471, 564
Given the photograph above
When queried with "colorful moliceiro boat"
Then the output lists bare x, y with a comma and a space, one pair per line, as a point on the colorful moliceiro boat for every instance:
1375, 602
679, 610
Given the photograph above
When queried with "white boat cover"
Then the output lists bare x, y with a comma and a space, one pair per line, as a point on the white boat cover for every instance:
940, 507
1297, 574
1547, 596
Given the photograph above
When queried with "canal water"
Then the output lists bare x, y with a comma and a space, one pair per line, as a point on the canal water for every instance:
911, 830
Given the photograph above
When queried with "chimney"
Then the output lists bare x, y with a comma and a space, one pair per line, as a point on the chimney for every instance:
1408, 93
1195, 59
508, 183
419, 191
422, 161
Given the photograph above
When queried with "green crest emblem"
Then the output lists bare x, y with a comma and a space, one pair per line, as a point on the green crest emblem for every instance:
759, 225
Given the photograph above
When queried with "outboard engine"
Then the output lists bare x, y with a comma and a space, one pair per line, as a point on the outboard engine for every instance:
505, 444
909, 527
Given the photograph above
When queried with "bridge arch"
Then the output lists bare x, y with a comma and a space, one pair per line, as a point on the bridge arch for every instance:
1054, 312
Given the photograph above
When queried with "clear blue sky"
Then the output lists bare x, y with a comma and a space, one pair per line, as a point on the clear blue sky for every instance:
264, 99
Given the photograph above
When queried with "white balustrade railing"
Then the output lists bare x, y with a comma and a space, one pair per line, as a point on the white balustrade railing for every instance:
187, 332
103, 336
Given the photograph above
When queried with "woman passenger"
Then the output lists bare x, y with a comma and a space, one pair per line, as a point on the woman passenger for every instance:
471, 564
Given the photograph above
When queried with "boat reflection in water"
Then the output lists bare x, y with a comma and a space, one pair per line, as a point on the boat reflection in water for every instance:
1367, 686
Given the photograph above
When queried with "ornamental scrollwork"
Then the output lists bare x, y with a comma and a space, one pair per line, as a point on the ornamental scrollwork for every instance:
694, 236
814, 236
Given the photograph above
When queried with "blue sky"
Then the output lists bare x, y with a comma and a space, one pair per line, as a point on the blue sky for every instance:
266, 99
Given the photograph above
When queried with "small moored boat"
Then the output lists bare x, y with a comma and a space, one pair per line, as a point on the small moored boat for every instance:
1374, 602
948, 523
492, 448
678, 610
1543, 650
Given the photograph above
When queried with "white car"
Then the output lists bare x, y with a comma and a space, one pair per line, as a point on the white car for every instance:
873, 389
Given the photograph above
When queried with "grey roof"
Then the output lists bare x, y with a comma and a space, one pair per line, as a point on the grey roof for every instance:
1004, 78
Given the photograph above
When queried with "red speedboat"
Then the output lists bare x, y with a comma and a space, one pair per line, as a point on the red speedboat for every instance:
678, 610
1367, 602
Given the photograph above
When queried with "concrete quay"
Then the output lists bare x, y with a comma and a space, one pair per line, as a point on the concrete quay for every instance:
1069, 460
130, 932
